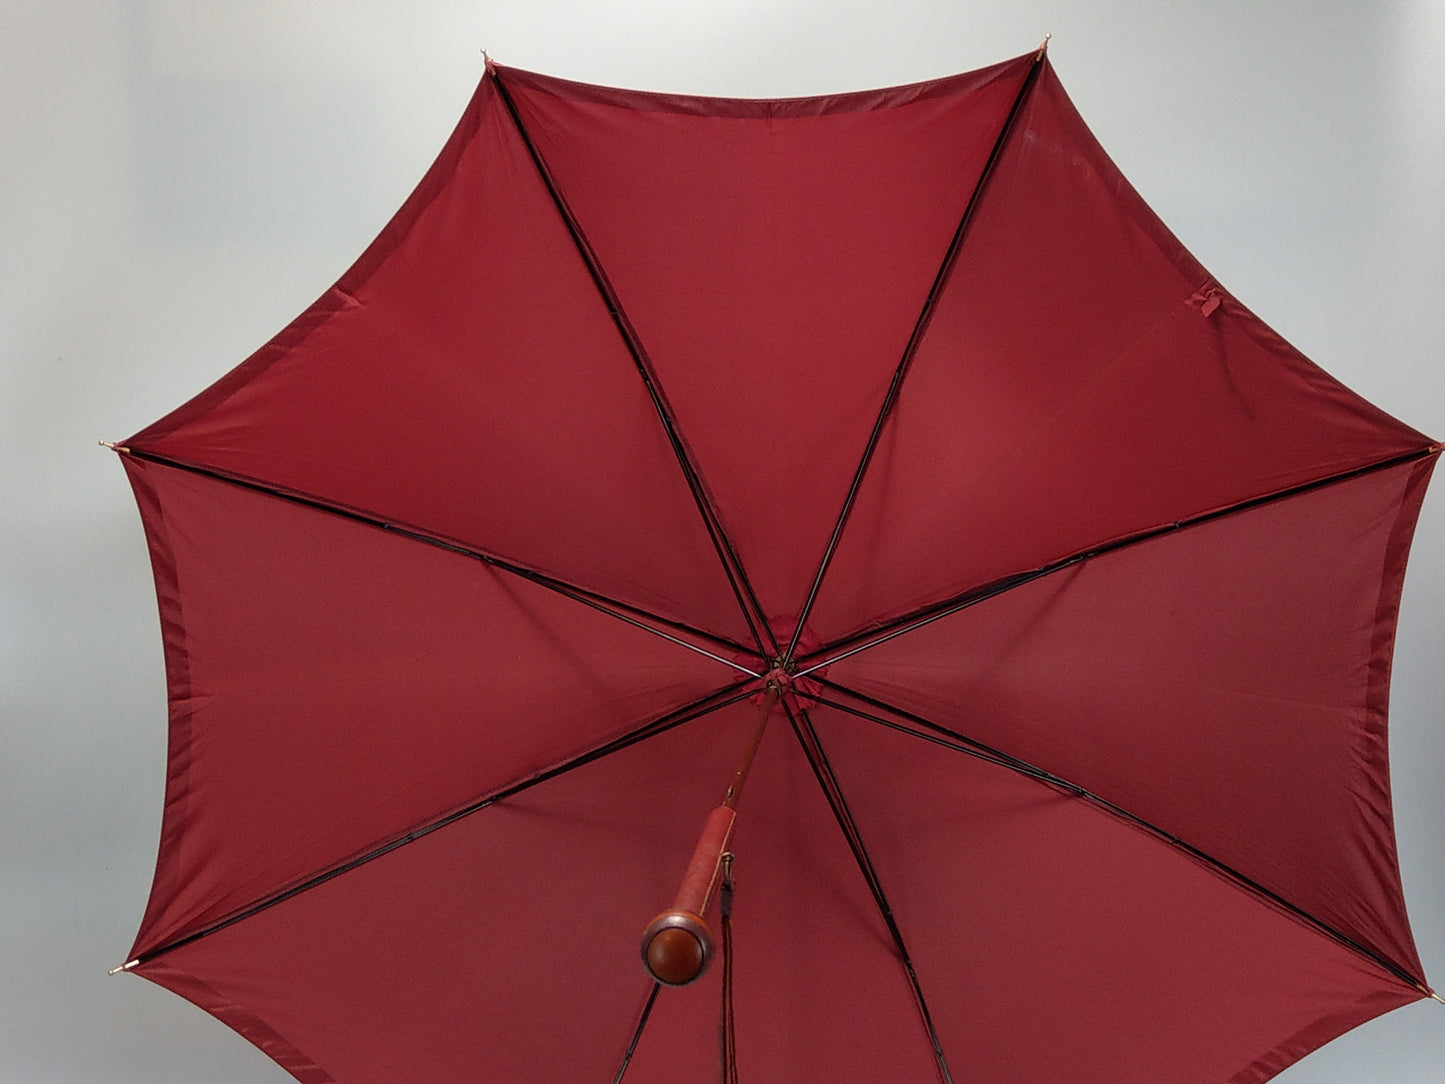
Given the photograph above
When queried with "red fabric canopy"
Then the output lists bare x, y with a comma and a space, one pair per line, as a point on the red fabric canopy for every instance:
1090, 579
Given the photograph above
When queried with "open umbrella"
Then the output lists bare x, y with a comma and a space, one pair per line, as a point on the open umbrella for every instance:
880, 451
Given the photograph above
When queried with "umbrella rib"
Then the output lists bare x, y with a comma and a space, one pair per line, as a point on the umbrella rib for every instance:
743, 592
635, 616
920, 326
939, 734
943, 736
714, 701
817, 759
637, 1033
916, 619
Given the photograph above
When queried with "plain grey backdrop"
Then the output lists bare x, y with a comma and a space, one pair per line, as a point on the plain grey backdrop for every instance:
177, 180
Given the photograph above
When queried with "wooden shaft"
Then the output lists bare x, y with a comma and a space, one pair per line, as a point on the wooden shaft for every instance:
765, 711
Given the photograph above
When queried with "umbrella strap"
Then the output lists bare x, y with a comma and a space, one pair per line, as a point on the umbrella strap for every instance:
728, 1037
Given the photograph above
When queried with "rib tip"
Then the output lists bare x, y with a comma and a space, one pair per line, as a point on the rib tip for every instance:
127, 966
114, 447
1043, 48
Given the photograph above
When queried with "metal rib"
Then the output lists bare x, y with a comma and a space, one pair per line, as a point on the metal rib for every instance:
940, 735
637, 1033
622, 611
742, 590
828, 782
849, 646
925, 317
712, 702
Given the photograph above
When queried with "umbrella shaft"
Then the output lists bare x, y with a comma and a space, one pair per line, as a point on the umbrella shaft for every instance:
677, 944
702, 872
765, 711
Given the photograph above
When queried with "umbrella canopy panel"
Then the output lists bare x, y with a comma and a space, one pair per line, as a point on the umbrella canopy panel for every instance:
1077, 583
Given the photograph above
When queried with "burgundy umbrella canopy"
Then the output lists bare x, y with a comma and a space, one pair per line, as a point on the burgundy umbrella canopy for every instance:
886, 436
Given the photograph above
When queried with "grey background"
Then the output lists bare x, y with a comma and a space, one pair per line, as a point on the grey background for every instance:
177, 180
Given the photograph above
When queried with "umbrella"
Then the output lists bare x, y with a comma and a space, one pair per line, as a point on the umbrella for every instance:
881, 452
